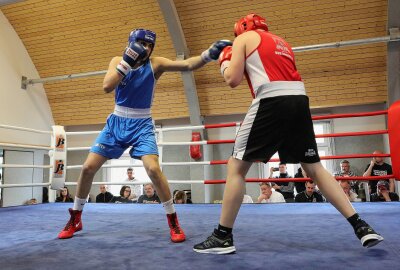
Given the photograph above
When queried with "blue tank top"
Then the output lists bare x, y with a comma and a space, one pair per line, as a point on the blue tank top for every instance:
136, 90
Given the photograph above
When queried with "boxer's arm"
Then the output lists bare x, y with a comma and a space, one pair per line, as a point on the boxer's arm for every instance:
161, 64
368, 172
112, 77
234, 73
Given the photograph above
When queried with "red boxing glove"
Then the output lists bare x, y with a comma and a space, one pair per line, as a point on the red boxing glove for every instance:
225, 58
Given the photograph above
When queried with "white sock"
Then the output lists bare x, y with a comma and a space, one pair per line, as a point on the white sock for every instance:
169, 206
79, 204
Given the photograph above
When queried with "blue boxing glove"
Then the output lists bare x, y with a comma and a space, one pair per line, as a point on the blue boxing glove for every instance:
214, 51
132, 54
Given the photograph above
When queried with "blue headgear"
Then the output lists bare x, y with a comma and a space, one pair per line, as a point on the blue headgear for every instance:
143, 34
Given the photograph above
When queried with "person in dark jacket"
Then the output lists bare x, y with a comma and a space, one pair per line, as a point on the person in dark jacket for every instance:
64, 196
104, 196
124, 193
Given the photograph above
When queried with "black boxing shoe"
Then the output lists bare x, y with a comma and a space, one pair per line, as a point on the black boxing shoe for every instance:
367, 235
216, 245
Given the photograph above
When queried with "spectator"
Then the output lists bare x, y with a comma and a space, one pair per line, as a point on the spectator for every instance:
104, 196
188, 200
346, 172
180, 197
285, 188
309, 194
124, 193
345, 169
136, 188
268, 195
300, 186
64, 196
31, 201
348, 191
378, 167
149, 196
383, 194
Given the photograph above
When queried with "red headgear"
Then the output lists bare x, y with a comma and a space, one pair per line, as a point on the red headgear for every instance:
250, 22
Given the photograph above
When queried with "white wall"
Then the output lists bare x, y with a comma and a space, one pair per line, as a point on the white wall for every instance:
24, 108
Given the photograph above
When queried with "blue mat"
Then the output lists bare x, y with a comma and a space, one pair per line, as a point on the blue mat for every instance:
133, 236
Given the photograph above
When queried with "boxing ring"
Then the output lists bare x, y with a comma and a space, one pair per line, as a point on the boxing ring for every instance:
267, 236
128, 236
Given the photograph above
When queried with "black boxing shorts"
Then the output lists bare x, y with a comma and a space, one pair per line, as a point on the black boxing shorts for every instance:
280, 124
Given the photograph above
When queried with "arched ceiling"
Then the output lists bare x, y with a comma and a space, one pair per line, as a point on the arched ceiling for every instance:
68, 37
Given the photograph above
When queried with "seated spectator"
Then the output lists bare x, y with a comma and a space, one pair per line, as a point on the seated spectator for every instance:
64, 196
31, 201
149, 195
180, 197
346, 172
285, 188
247, 199
351, 195
124, 193
383, 194
186, 195
104, 196
309, 195
378, 167
269, 195
300, 186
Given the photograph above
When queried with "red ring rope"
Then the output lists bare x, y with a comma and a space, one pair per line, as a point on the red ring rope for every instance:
276, 180
220, 162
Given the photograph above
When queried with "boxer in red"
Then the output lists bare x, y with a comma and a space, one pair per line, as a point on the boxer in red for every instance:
278, 120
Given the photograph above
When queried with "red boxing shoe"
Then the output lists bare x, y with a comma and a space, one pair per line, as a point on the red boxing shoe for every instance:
177, 234
74, 224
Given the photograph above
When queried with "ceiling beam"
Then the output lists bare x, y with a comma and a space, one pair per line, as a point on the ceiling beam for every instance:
393, 52
182, 52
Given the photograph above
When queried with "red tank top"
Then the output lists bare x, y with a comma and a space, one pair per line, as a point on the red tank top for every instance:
271, 66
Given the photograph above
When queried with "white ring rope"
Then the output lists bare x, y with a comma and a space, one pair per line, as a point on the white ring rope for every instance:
139, 182
25, 185
158, 144
101, 183
73, 133
26, 146
71, 167
25, 166
26, 129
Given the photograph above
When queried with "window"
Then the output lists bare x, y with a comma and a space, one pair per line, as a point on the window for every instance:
324, 149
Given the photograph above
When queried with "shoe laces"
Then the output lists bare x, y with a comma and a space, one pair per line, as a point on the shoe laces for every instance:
362, 226
70, 223
209, 241
177, 229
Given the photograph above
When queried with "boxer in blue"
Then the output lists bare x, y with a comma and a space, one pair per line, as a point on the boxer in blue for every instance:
134, 76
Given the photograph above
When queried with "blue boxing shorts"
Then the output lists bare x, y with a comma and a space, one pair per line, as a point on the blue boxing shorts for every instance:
119, 133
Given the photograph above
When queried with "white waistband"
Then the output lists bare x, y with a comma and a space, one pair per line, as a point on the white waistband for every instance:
131, 113
280, 88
